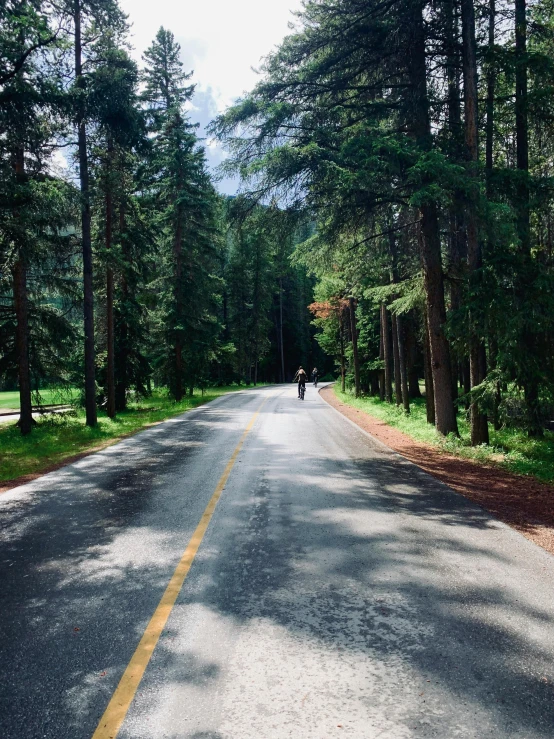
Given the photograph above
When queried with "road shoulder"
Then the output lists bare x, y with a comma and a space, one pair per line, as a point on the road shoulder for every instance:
521, 502
94, 445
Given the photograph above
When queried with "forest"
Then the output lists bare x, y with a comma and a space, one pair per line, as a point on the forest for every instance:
394, 223
420, 138
122, 269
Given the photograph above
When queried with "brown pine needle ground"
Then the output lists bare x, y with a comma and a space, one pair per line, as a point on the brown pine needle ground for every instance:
518, 500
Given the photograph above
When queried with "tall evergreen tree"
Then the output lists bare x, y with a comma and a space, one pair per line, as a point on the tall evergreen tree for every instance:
187, 216
30, 95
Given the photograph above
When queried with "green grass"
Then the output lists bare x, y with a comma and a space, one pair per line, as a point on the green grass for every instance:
56, 438
509, 448
9, 399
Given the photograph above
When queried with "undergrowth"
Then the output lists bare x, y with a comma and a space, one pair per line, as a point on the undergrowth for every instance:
509, 448
55, 438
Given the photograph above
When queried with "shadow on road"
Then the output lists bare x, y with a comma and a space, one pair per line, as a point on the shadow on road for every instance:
363, 561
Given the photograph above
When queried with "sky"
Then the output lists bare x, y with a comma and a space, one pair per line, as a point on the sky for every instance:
223, 41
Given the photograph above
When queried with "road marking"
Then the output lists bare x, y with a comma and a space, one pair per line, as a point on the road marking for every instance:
121, 700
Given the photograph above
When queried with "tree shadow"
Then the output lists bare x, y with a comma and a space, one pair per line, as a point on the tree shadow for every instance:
364, 566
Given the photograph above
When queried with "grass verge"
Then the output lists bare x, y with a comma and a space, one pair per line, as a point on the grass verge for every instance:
57, 438
9, 399
509, 448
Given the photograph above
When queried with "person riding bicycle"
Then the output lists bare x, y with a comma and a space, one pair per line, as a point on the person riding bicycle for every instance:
315, 373
301, 378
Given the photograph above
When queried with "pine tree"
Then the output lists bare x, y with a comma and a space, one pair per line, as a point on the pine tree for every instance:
88, 18
119, 134
187, 217
30, 94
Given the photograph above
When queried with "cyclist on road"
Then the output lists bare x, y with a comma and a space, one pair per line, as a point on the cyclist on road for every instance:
315, 373
301, 378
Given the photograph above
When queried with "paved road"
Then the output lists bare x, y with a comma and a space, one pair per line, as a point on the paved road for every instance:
338, 592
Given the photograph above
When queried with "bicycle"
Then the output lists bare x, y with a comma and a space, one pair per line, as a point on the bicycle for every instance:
302, 391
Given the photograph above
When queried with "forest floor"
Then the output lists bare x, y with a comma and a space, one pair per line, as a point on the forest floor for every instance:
519, 500
60, 439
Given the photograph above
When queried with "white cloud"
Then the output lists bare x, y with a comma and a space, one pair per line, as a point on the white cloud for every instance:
222, 41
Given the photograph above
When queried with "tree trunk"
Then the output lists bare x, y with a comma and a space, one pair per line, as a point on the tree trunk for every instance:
522, 128
493, 351
110, 369
477, 355
20, 299
456, 243
88, 292
402, 363
22, 345
396, 361
178, 350
342, 359
387, 353
354, 332
381, 357
282, 349
121, 385
395, 342
528, 340
411, 358
491, 85
445, 414
178, 346
428, 370
430, 246
374, 386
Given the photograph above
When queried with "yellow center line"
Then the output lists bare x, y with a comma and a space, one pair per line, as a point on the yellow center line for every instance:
121, 700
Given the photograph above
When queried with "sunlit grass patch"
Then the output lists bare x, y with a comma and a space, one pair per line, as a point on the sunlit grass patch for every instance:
58, 437
510, 448
9, 399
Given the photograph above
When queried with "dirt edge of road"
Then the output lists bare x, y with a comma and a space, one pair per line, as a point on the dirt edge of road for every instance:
521, 502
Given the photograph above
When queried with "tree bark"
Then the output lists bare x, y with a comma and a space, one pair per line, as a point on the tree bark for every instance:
88, 292
491, 85
402, 363
110, 369
528, 340
387, 353
396, 361
354, 332
22, 345
445, 414
21, 305
493, 353
522, 128
477, 355
430, 246
121, 384
456, 244
342, 358
381, 357
178, 346
281, 347
394, 280
428, 370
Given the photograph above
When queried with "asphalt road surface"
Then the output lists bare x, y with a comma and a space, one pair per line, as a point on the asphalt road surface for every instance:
338, 591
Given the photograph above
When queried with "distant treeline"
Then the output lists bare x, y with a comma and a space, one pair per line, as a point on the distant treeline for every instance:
134, 257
